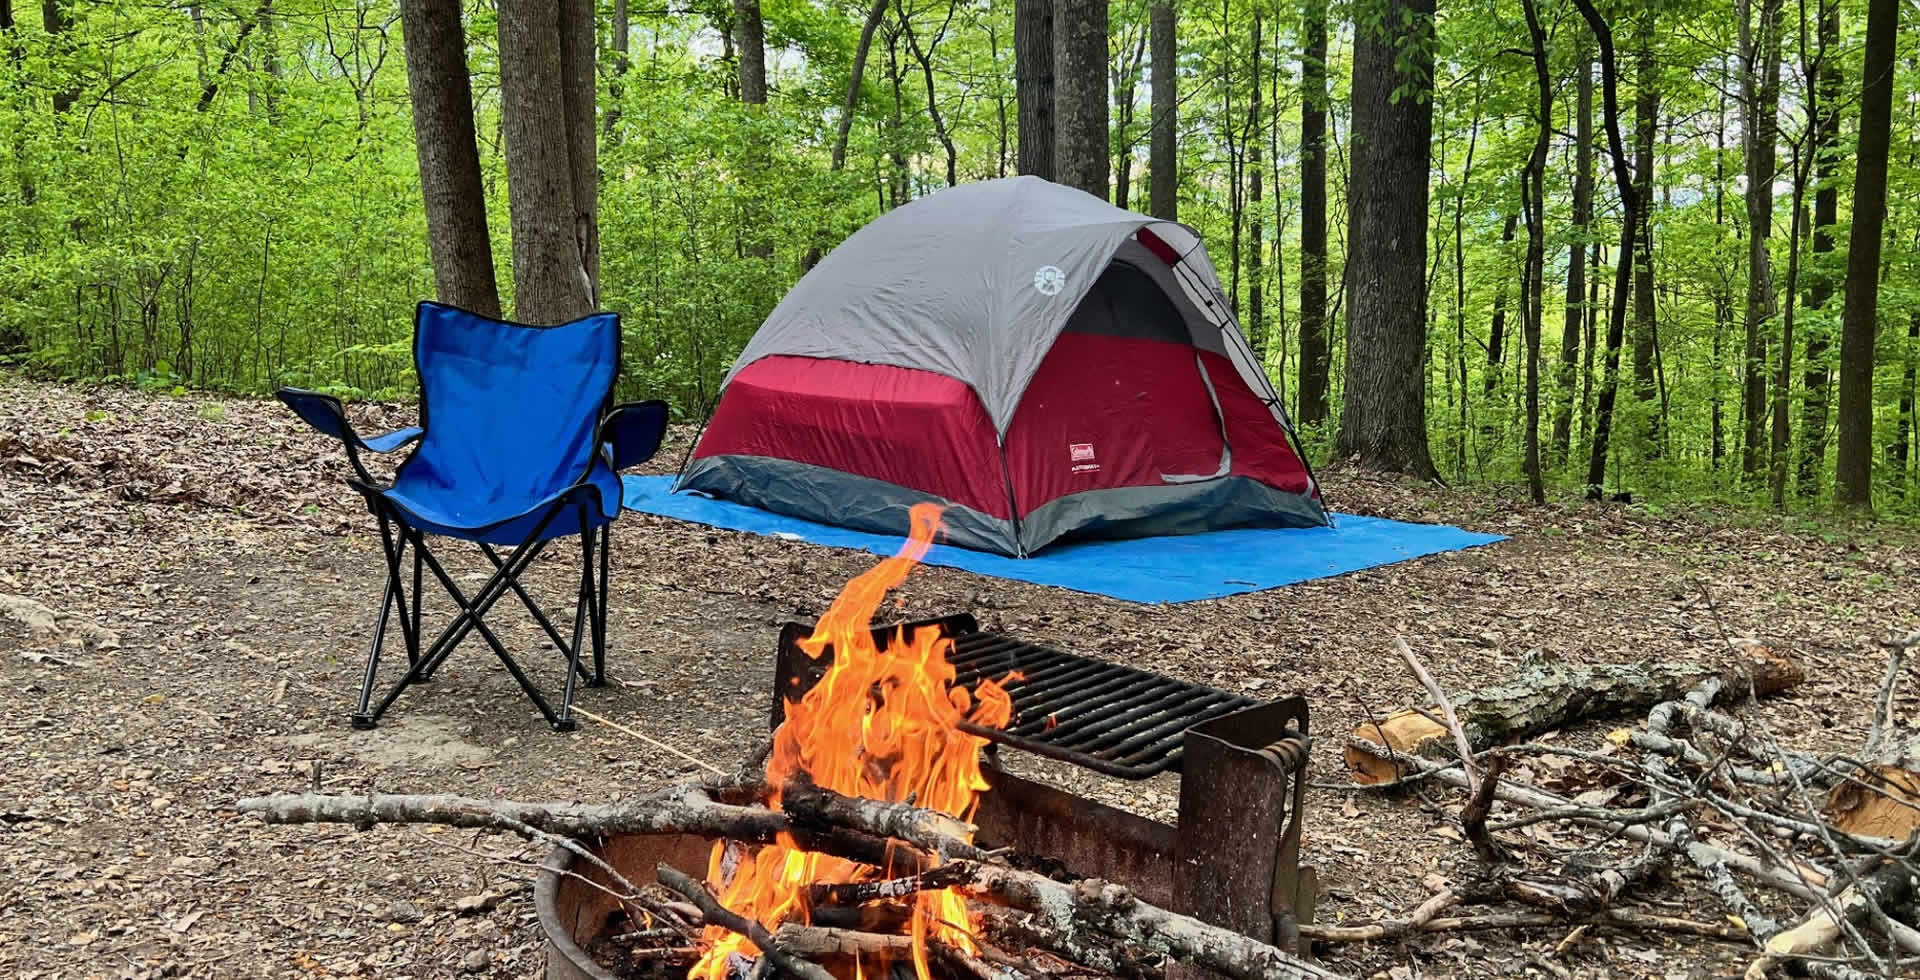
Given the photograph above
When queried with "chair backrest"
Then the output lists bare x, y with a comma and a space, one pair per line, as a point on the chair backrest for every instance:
511, 411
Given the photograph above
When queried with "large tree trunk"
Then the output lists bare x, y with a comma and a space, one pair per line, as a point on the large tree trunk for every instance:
1826, 211
442, 99
1646, 113
1760, 99
1853, 468
1576, 261
1314, 364
750, 43
55, 19
1163, 150
552, 282
1384, 421
1033, 84
579, 89
1623, 271
1080, 94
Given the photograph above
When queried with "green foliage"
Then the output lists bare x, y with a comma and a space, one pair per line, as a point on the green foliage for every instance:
225, 203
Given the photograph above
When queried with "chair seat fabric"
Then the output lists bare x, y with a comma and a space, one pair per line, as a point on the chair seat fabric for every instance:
500, 519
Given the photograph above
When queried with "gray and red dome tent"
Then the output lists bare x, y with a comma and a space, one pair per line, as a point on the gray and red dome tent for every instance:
1041, 362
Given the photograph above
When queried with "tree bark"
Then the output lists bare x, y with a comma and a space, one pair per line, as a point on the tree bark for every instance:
1163, 151
622, 29
1623, 271
750, 44
1033, 84
1384, 422
1760, 99
579, 50
1576, 261
1646, 114
1080, 94
1314, 352
1497, 327
852, 102
442, 100
1545, 694
1534, 300
551, 279
1256, 243
1826, 211
1853, 467
1907, 425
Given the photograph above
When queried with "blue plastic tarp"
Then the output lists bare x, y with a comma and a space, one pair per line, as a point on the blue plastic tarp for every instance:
1180, 568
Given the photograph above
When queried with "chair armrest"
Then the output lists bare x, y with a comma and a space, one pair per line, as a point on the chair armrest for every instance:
632, 432
327, 416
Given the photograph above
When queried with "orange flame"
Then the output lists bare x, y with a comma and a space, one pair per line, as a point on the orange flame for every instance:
879, 726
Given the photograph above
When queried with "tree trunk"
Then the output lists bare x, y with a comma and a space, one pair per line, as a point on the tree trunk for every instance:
622, 30
1545, 694
1760, 99
925, 57
552, 283
1314, 365
1907, 429
1033, 84
579, 89
1853, 468
1576, 261
54, 18
1623, 272
1826, 210
750, 42
1535, 201
1163, 151
1497, 329
1256, 244
852, 101
1126, 78
1080, 94
449, 157
1384, 421
1645, 125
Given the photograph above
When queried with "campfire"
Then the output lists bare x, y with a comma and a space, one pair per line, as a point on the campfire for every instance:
875, 837
876, 726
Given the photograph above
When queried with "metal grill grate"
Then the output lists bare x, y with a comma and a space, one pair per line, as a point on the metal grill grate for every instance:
1112, 719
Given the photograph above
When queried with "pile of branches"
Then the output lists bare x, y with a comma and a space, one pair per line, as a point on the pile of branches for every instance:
1702, 789
1032, 926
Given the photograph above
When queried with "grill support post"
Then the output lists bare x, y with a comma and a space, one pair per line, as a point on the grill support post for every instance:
1237, 851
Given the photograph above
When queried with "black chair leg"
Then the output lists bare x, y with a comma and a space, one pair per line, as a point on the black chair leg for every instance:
600, 611
392, 546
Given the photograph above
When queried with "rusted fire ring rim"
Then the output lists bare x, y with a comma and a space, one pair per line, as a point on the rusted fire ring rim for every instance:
560, 941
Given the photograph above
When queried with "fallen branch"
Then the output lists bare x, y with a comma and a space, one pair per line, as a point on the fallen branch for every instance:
1617, 918
1545, 694
1439, 695
1889, 884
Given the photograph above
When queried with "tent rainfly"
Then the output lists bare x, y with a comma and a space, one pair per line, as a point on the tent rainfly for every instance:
1042, 363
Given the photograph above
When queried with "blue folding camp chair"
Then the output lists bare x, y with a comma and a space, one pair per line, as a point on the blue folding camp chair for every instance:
518, 444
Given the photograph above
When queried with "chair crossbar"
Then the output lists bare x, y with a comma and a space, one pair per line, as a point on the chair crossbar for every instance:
399, 538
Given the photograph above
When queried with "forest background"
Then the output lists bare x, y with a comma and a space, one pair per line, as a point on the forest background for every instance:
1419, 215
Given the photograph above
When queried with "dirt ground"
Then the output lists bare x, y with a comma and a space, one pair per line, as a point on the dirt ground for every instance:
186, 588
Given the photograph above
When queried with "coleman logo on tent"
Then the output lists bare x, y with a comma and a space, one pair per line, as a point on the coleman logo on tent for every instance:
1049, 280
1081, 453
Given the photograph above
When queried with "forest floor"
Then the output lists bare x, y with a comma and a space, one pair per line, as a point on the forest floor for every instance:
210, 584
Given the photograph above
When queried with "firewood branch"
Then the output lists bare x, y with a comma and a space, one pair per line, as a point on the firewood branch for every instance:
726, 918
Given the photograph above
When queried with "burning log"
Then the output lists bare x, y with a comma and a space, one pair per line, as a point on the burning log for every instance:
725, 918
1546, 694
